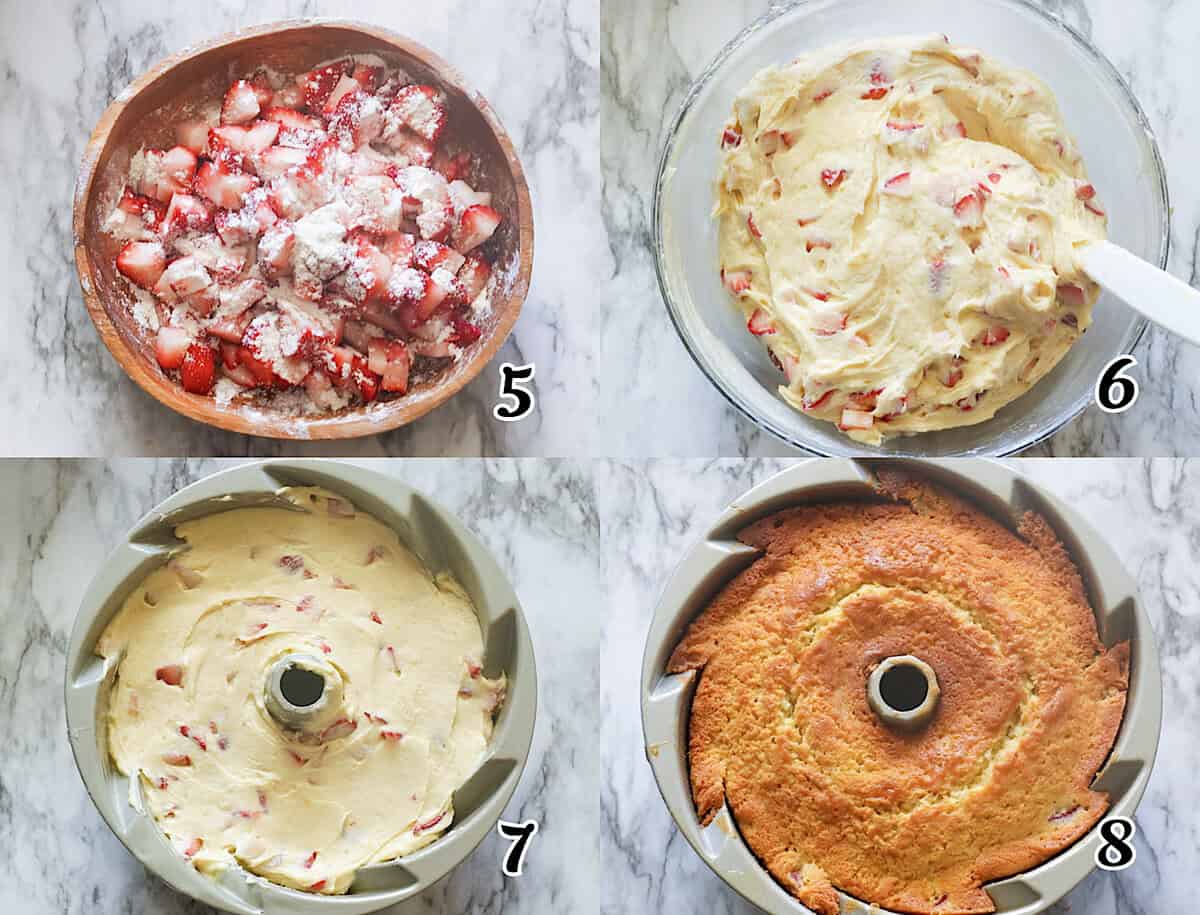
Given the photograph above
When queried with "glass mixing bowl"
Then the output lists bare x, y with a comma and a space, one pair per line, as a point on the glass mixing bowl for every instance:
1113, 134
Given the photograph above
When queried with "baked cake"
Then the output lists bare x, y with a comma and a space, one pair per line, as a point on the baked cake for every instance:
824, 793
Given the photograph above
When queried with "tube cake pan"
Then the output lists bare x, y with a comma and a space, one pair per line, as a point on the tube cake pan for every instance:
719, 556
444, 544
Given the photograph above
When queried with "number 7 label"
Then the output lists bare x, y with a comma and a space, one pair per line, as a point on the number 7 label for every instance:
514, 860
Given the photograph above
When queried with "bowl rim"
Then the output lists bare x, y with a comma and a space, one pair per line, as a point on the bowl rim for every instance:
1128, 343
429, 864
263, 421
809, 480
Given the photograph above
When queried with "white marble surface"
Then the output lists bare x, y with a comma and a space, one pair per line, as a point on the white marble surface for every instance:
655, 401
650, 514
60, 519
61, 62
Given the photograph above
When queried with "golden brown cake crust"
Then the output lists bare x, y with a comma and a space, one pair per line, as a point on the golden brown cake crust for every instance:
826, 795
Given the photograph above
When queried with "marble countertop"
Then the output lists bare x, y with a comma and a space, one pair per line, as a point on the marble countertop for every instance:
62, 517
60, 65
655, 401
650, 514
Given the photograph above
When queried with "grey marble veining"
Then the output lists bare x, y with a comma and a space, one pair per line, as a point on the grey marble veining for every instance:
61, 393
656, 402
60, 520
651, 513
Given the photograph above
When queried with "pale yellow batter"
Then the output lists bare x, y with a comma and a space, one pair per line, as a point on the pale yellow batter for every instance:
899, 222
408, 712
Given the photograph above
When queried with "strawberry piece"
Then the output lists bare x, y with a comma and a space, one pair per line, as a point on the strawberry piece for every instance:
170, 674
369, 78
736, 281
176, 759
453, 168
398, 248
170, 345
343, 727
968, 209
465, 332
391, 735
1071, 295
318, 886
319, 84
427, 198
353, 120
240, 105
421, 110
428, 824
147, 209
731, 138
753, 226
142, 262
828, 324
957, 130
192, 136
1091, 207
273, 162
186, 213
229, 355
832, 177
822, 297
898, 184
1085, 192
223, 185
820, 401
953, 377
474, 275
166, 173
416, 150
822, 95
198, 369
813, 243
375, 618
876, 92
292, 120
344, 87
855, 419
865, 400
193, 848
246, 141
310, 860
275, 249
430, 255
263, 374
760, 323
995, 335
367, 276
390, 360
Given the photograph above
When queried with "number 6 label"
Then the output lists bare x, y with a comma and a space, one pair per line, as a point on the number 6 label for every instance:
519, 401
1116, 391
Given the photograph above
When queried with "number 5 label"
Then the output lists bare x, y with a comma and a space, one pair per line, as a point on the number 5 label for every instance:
514, 861
519, 402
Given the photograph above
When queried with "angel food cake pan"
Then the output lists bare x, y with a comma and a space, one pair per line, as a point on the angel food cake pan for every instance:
327, 709
1058, 855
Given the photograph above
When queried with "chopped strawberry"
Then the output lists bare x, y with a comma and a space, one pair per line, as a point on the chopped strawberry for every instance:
261, 84
822, 95
264, 375
193, 848
1071, 295
142, 262
820, 401
855, 419
865, 400
752, 226
223, 185
275, 161
832, 177
957, 130
198, 369
310, 860
427, 199
465, 332
416, 150
353, 120
250, 140
1091, 207
829, 323
1085, 192
476, 226
344, 87
428, 824
166, 173
391, 735
430, 255
474, 275
731, 138
343, 727
994, 177
319, 84
275, 249
368, 77
390, 359
760, 323
876, 92
736, 281
898, 184
170, 345
240, 105
170, 674
968, 209
147, 209
812, 243
186, 213
453, 168
995, 335
421, 110
176, 759
292, 120
318, 886
192, 135
904, 126
953, 377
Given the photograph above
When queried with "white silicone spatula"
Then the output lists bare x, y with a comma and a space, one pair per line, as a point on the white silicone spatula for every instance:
1165, 300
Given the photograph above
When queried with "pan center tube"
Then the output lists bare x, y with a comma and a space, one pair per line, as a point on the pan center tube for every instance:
903, 692
303, 692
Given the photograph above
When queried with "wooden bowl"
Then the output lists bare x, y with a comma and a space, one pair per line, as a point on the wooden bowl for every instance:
146, 113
